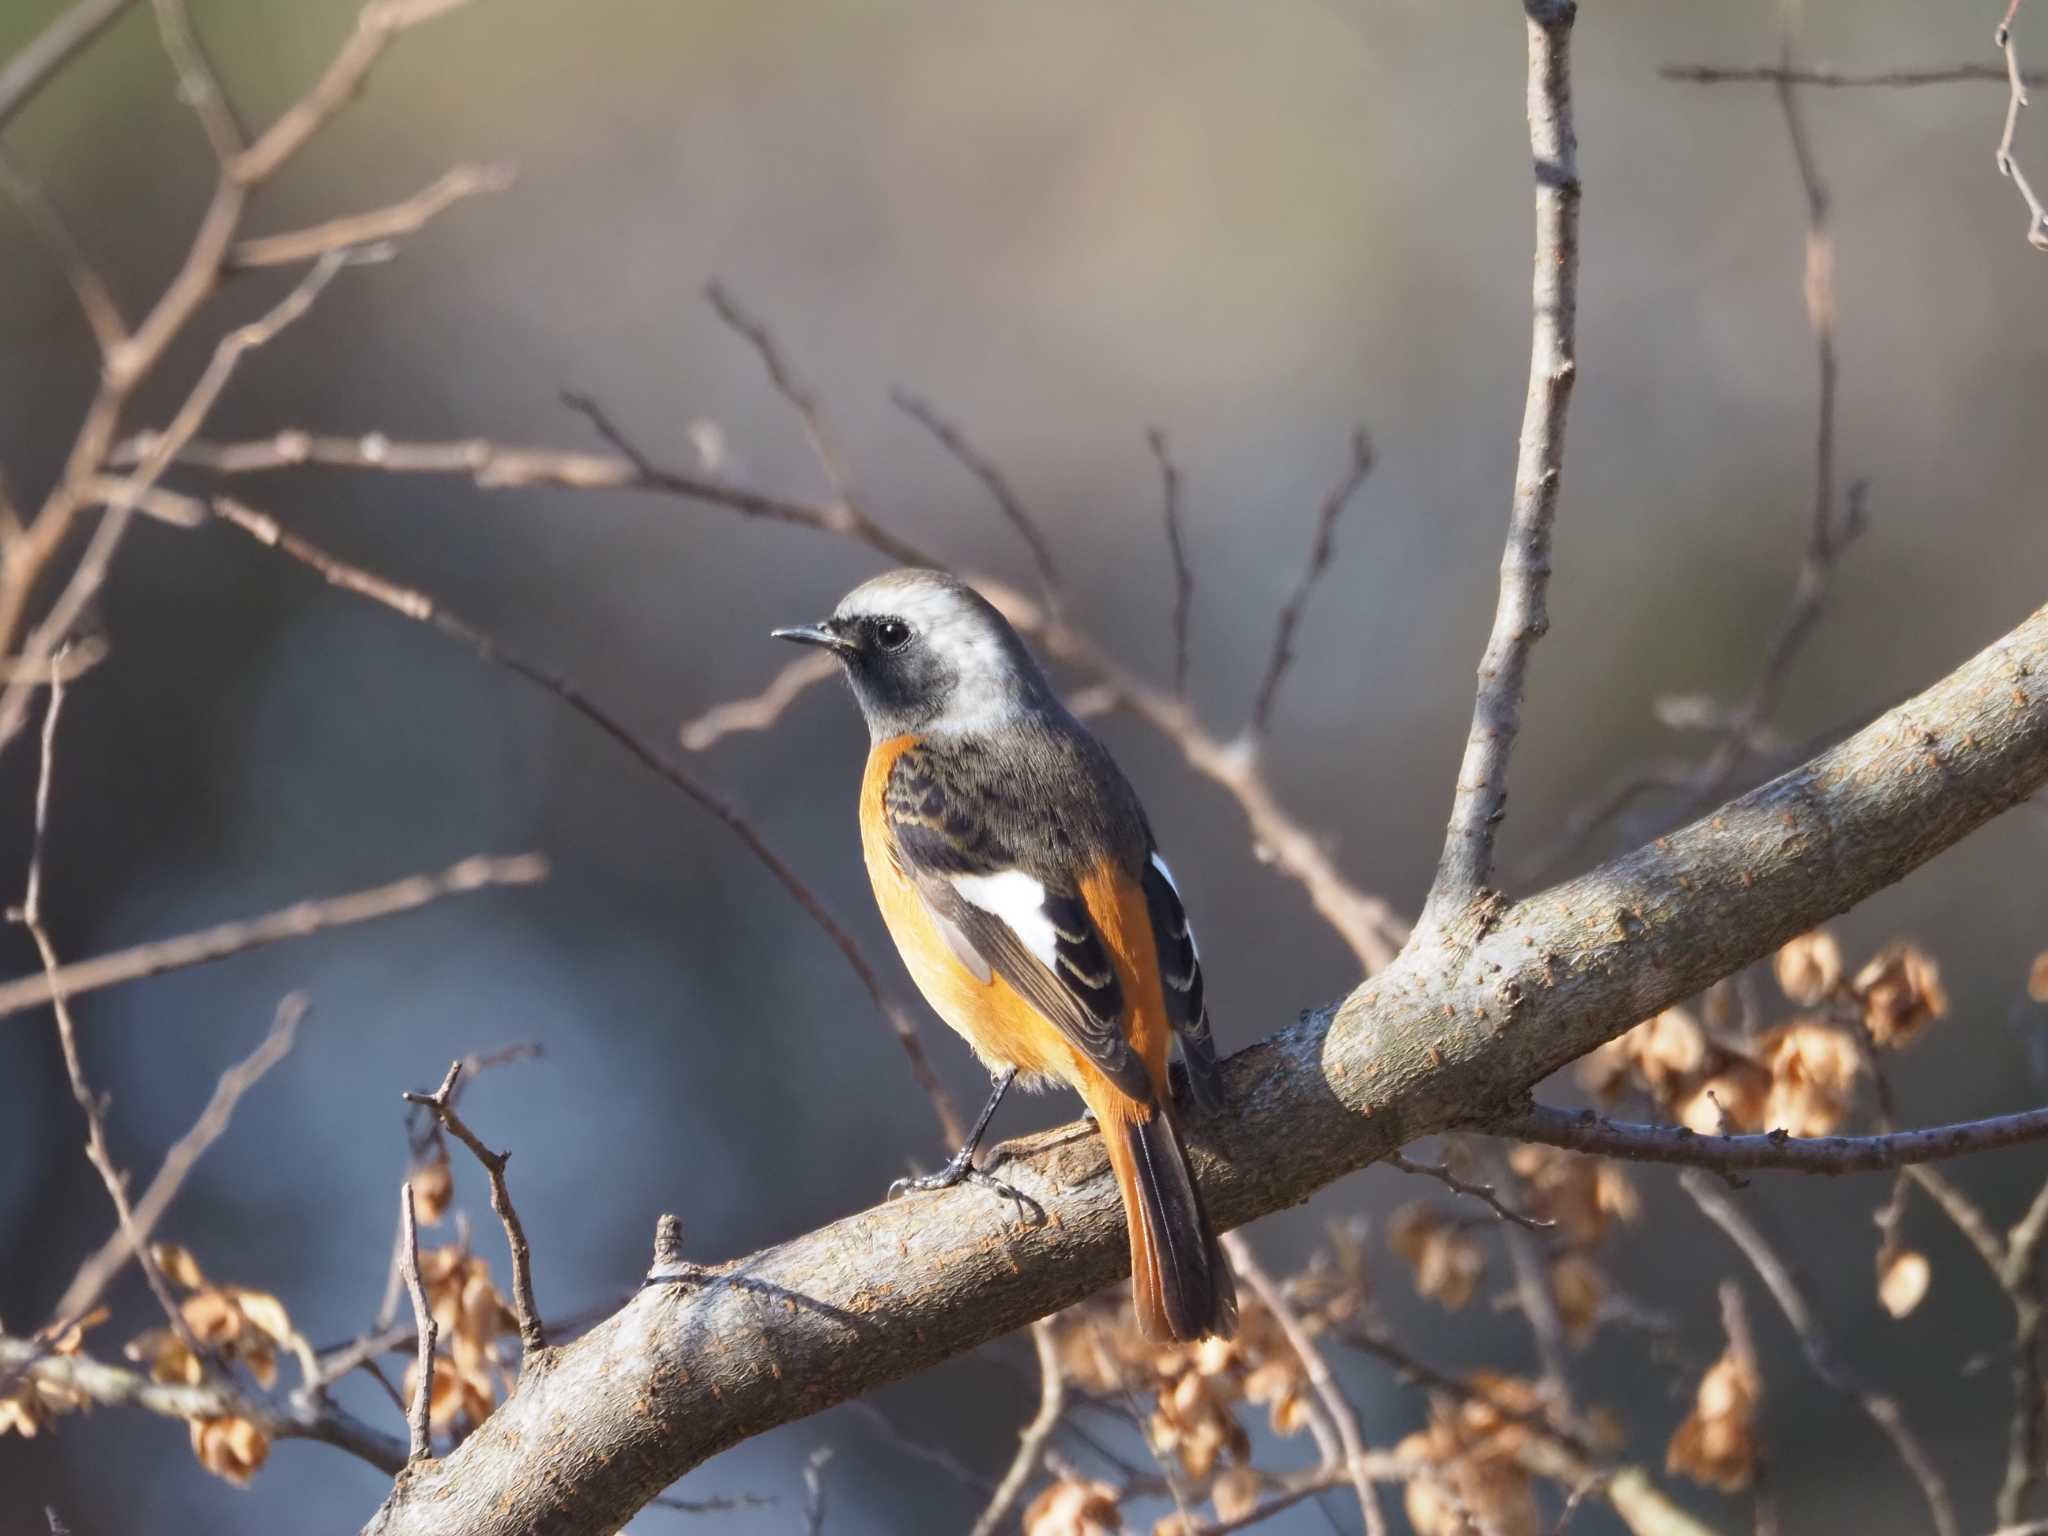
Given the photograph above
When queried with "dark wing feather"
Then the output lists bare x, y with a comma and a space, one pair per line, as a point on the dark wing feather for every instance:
1180, 977
936, 838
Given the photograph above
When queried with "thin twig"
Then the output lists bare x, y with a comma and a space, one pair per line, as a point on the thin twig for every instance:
1485, 1193
96, 299
30, 916
405, 217
998, 486
1176, 548
814, 1490
1582, 1131
1742, 1345
1722, 1210
115, 1386
98, 1271
1345, 1419
532, 1337
422, 608
1052, 1398
51, 49
1522, 616
2016, 98
198, 82
418, 1420
791, 387
1320, 550
294, 922
1784, 74
760, 711
1537, 1300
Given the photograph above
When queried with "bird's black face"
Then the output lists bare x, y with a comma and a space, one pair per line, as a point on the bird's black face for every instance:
902, 681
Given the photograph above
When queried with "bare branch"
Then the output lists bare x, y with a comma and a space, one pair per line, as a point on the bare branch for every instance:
762, 710
792, 388
1345, 1419
51, 49
1321, 548
113, 1386
998, 486
98, 1271
198, 83
1722, 1210
1785, 74
814, 1490
1583, 1131
30, 916
1052, 1399
1522, 617
376, 24
418, 1418
2016, 98
1742, 1345
1485, 1193
406, 217
96, 300
422, 608
294, 922
1176, 547
892, 1290
532, 1336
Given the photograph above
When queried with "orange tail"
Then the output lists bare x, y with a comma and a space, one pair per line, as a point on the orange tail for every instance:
1179, 1278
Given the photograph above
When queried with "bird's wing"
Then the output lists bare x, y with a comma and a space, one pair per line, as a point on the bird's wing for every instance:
1180, 978
1003, 919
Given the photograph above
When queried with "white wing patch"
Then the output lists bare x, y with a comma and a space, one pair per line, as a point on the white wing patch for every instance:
1019, 901
1166, 874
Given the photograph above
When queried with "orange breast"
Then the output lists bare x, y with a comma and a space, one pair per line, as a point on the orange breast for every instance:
1004, 1029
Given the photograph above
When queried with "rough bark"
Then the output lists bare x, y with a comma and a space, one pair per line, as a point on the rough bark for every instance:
1456, 1031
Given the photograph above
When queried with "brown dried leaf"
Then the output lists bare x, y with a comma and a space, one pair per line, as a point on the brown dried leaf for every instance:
233, 1448
1901, 993
2037, 978
1903, 1276
1814, 1067
433, 1186
178, 1265
1579, 1288
1447, 1260
1716, 1444
1809, 968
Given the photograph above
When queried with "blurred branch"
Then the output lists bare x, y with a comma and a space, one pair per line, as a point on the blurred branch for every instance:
760, 711
96, 300
113, 1386
1583, 1131
1785, 74
30, 915
421, 607
388, 223
1432, 1043
51, 49
1722, 1210
1052, 1399
998, 486
294, 922
532, 1336
1321, 548
2016, 98
98, 1271
1459, 894
1176, 548
32, 551
1351, 1440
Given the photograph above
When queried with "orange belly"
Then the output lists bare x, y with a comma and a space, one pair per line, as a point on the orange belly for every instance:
1002, 1027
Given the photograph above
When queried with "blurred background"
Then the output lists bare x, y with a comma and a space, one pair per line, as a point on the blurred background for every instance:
1250, 227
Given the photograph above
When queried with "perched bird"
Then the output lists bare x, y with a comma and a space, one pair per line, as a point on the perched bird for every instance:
1019, 878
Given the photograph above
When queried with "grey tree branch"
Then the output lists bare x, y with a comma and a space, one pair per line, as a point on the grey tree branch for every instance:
51, 49
419, 1416
2016, 98
688, 1368
294, 922
1587, 1132
1480, 797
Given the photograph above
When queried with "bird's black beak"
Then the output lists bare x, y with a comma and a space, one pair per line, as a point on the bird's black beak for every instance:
815, 634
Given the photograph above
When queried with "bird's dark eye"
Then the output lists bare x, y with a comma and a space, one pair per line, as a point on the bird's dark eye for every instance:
892, 634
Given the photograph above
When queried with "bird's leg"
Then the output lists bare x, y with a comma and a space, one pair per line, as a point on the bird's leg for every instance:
961, 1165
